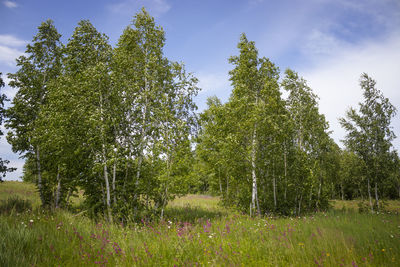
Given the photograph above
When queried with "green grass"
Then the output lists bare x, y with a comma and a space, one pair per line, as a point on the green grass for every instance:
197, 232
21, 190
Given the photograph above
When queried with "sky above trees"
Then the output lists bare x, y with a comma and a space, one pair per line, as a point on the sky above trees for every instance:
329, 42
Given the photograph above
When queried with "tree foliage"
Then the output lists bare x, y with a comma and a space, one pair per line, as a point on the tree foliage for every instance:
370, 136
120, 124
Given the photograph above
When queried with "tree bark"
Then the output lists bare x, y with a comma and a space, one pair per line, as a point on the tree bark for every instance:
58, 191
342, 190
301, 198
40, 185
369, 195
113, 183
105, 173
253, 174
285, 164
274, 185
376, 196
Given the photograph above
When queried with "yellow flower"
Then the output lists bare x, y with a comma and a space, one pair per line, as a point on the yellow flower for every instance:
383, 250
327, 254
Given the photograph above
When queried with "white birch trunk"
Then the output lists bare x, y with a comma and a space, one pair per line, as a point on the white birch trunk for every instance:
253, 175
105, 171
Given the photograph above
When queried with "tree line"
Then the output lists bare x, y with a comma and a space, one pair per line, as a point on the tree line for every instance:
121, 124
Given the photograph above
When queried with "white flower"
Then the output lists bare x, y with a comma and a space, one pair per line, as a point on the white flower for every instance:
31, 221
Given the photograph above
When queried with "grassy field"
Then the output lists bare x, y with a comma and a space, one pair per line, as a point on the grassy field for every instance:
197, 232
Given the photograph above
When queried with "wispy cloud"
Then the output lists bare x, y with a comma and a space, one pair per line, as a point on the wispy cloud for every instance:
10, 4
10, 48
129, 7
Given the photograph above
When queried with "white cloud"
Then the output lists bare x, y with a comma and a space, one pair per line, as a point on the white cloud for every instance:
8, 55
9, 40
335, 77
10, 49
10, 4
212, 82
321, 43
129, 7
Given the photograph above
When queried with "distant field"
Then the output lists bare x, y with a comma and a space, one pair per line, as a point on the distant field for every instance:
20, 189
198, 232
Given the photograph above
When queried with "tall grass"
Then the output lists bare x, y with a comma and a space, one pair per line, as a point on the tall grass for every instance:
196, 232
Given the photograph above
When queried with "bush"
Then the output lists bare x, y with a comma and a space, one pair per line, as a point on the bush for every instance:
14, 204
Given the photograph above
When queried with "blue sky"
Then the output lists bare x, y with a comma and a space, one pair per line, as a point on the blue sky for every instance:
329, 42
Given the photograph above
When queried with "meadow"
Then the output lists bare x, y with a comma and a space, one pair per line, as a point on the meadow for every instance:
196, 231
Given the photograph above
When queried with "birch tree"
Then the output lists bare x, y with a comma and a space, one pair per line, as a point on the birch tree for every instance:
370, 135
37, 68
156, 112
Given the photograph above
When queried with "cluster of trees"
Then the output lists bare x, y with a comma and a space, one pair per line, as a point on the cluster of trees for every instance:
116, 123
263, 153
120, 123
370, 160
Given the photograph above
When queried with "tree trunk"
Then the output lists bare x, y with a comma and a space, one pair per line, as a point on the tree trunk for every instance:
319, 192
274, 185
103, 198
369, 195
342, 190
143, 129
113, 183
58, 191
40, 185
253, 174
301, 198
284, 160
220, 185
227, 186
376, 196
105, 172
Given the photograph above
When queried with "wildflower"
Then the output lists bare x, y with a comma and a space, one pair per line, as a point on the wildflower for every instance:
31, 221
383, 250
327, 254
301, 244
